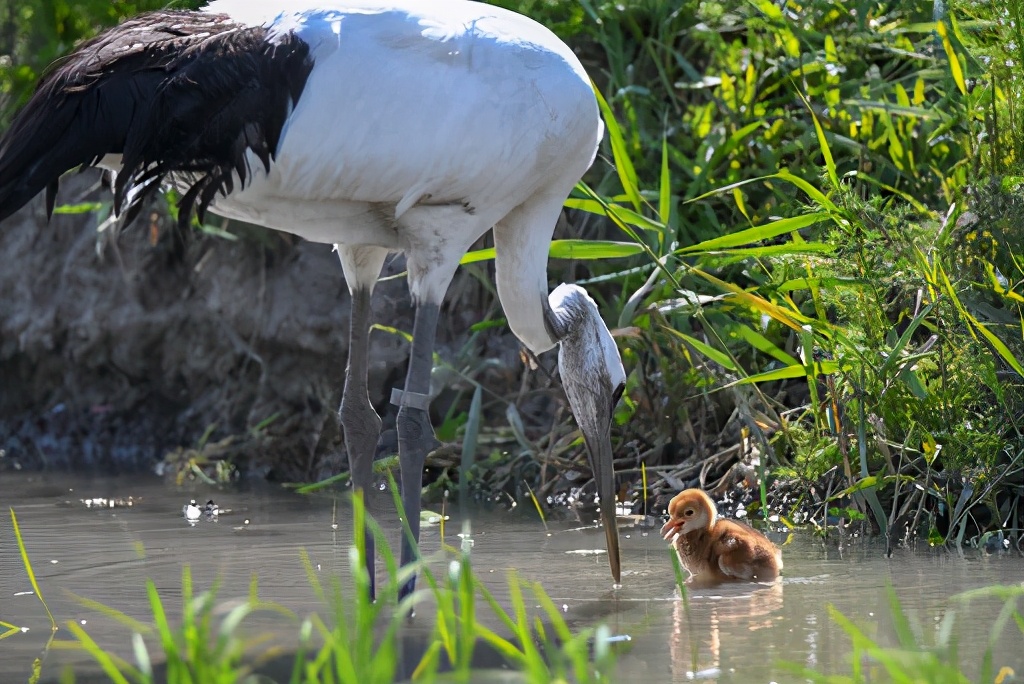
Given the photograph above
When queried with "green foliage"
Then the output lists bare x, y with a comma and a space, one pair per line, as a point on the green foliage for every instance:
841, 142
718, 81
990, 39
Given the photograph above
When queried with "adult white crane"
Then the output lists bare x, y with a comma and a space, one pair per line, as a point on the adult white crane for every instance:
374, 125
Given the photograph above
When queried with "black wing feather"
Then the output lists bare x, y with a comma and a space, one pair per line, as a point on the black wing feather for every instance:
182, 93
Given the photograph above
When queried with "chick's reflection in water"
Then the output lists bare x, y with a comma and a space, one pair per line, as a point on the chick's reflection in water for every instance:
701, 618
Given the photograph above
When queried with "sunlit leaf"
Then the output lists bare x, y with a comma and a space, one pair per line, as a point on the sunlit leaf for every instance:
707, 350
826, 151
623, 164
755, 234
956, 69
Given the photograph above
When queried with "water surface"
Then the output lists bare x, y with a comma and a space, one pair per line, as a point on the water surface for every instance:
732, 634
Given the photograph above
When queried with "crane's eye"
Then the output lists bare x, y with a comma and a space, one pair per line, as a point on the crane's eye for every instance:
688, 512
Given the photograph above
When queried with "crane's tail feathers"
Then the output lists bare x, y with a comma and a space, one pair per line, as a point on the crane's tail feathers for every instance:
180, 94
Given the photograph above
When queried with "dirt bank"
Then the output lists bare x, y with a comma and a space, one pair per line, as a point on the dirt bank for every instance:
114, 351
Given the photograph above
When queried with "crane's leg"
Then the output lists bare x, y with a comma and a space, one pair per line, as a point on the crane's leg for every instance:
415, 434
359, 421
443, 234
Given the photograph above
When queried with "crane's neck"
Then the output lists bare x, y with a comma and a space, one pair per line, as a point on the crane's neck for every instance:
538, 319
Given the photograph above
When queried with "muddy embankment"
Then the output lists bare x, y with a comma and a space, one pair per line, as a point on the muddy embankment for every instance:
115, 350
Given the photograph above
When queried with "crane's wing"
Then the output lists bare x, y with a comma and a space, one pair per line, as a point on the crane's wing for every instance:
171, 92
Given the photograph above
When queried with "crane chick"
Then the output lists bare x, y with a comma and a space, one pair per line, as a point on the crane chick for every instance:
715, 550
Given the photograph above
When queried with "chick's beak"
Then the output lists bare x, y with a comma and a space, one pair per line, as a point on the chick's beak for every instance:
671, 528
599, 447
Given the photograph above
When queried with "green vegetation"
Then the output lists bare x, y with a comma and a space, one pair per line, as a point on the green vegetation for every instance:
826, 199
34, 34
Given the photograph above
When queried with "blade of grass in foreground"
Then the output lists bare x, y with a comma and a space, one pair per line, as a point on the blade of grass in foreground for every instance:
104, 659
28, 570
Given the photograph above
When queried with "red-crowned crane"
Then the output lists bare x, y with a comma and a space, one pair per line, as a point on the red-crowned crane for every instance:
375, 125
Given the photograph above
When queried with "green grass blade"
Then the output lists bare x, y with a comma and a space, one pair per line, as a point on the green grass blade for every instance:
900, 623
111, 613
321, 484
163, 627
814, 193
830, 162
627, 216
104, 659
897, 350
704, 348
737, 254
536, 504
955, 67
593, 249
620, 155
997, 344
766, 231
665, 186
582, 250
761, 343
790, 318
28, 570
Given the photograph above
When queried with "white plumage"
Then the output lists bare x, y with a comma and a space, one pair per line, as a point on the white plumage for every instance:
376, 126
421, 128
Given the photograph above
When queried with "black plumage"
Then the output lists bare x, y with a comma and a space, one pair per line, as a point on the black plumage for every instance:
180, 93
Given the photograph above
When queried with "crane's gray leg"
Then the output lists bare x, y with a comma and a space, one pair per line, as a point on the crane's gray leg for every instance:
443, 234
415, 434
359, 421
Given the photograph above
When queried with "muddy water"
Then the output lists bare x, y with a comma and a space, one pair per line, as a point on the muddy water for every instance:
735, 634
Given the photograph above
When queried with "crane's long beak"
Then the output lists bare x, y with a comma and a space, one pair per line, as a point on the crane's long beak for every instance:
600, 448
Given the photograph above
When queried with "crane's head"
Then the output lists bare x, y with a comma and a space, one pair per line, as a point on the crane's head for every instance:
594, 379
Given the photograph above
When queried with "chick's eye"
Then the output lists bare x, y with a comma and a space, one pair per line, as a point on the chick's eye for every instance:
688, 512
